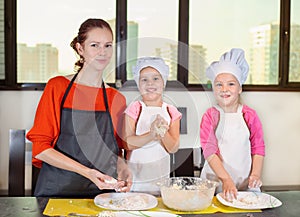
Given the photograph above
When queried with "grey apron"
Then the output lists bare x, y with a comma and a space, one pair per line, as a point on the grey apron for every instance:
87, 137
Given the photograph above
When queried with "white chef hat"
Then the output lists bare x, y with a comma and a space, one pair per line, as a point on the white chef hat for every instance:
232, 62
154, 62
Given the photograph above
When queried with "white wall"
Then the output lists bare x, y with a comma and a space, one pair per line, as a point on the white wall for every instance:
279, 113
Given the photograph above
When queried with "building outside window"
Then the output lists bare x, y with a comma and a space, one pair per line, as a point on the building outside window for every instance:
152, 29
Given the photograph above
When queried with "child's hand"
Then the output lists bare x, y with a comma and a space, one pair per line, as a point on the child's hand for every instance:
254, 182
229, 190
160, 126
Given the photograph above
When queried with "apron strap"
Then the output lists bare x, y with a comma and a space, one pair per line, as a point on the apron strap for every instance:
69, 88
67, 92
107, 111
105, 102
240, 108
105, 97
219, 108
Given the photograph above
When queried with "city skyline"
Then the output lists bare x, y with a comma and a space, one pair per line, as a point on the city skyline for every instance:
38, 63
209, 33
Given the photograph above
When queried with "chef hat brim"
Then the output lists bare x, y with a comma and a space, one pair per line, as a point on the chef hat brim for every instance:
153, 62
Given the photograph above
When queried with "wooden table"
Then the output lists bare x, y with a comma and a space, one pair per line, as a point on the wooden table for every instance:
33, 207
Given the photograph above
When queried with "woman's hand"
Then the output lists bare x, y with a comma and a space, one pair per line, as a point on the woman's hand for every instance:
254, 182
101, 180
229, 190
124, 181
124, 176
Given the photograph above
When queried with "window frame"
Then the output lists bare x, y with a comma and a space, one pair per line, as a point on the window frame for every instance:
10, 81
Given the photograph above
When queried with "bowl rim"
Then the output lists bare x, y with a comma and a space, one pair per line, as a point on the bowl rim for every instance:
213, 182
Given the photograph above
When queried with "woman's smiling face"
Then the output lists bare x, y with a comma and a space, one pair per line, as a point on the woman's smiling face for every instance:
227, 91
97, 49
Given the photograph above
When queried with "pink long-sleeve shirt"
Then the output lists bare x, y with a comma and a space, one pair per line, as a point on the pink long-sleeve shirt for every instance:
209, 123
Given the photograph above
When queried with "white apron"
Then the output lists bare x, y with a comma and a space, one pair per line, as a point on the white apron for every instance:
233, 136
150, 163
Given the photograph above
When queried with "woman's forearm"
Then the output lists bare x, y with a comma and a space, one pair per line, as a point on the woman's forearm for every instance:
57, 159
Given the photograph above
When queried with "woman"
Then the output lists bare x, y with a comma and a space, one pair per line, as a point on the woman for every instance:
74, 136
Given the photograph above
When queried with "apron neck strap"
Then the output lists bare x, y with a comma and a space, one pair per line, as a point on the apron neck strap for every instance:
240, 108
67, 91
69, 88
105, 96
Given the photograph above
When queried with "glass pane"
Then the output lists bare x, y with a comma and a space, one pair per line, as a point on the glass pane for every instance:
294, 66
45, 30
216, 26
2, 47
152, 31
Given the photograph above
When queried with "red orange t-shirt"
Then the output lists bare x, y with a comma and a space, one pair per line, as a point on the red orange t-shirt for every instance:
46, 127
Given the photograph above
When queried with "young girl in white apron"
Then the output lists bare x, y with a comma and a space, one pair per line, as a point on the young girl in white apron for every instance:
150, 163
151, 127
231, 134
233, 138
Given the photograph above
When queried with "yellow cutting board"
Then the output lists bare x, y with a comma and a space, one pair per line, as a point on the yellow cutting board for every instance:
87, 206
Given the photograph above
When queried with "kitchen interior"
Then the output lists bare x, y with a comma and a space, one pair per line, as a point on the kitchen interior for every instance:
278, 110
281, 128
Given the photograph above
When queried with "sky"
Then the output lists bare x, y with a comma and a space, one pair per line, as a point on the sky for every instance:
218, 25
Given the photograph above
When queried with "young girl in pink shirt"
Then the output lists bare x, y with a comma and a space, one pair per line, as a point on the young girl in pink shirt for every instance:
231, 133
151, 127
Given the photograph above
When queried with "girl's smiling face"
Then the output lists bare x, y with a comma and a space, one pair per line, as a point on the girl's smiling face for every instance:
151, 85
227, 91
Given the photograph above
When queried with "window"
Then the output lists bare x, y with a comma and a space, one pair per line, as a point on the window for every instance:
43, 42
217, 26
294, 64
188, 34
152, 28
2, 46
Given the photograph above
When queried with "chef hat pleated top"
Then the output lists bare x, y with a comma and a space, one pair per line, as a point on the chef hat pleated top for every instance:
232, 62
154, 62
